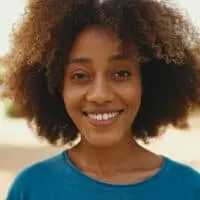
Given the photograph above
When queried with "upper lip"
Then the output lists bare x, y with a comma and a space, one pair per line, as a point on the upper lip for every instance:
101, 111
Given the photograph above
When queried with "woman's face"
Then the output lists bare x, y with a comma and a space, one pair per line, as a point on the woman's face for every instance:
102, 88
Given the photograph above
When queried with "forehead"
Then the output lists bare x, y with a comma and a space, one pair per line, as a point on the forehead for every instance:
99, 39
93, 37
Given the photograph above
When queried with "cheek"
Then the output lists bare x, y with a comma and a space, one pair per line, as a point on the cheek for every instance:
72, 97
132, 91
68, 96
132, 97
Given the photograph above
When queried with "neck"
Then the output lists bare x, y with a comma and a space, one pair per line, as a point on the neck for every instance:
109, 159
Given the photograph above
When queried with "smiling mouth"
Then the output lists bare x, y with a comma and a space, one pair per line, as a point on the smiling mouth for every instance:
102, 118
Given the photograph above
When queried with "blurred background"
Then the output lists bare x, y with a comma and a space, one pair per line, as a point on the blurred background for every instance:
19, 147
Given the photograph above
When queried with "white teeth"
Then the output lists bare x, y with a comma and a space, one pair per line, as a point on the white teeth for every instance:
99, 117
104, 116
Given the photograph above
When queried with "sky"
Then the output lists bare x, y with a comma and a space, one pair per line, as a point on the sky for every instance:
10, 12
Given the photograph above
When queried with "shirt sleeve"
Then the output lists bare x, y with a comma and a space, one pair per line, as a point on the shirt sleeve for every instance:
197, 193
16, 191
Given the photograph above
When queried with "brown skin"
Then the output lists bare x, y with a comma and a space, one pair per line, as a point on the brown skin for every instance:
129, 165
97, 80
100, 89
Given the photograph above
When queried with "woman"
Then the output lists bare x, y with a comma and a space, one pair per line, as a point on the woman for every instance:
112, 72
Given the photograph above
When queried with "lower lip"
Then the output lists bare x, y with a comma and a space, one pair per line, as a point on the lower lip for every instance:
103, 122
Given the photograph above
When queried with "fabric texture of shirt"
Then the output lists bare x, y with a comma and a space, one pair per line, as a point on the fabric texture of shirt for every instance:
58, 179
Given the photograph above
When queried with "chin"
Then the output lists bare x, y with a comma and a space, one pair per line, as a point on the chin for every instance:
102, 141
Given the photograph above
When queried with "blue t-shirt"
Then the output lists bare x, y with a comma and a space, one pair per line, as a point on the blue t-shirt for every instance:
58, 179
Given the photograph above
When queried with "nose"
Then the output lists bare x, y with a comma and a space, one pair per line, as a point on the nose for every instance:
100, 92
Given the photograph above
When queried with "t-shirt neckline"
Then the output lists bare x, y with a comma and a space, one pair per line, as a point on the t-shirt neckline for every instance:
87, 179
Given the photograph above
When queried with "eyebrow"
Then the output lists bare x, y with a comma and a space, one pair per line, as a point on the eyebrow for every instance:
118, 57
80, 61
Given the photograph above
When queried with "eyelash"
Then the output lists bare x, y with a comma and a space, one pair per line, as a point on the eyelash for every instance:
85, 76
128, 74
74, 76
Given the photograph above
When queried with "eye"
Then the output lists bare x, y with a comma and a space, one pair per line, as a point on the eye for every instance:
80, 76
122, 74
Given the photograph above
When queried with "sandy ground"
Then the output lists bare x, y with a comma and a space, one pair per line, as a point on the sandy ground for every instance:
20, 148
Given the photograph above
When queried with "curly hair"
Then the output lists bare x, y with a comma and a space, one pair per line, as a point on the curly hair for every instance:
42, 41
